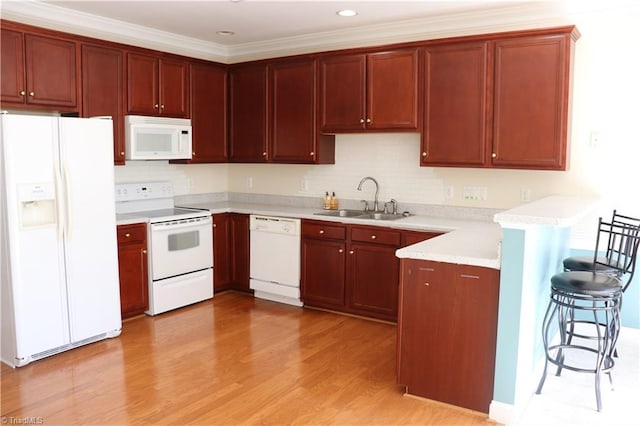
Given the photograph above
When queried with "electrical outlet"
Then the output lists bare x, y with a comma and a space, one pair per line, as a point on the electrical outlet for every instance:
448, 192
249, 182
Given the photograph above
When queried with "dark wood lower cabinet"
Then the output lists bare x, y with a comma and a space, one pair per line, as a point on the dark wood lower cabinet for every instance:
353, 268
132, 261
230, 252
447, 328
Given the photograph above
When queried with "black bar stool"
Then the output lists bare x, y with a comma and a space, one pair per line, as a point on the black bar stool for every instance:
597, 295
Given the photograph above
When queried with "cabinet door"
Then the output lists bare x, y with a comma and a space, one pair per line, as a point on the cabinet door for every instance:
240, 251
531, 102
293, 108
373, 273
12, 74
392, 90
209, 113
342, 91
248, 109
132, 261
455, 105
142, 84
222, 252
51, 71
174, 88
323, 273
426, 295
102, 90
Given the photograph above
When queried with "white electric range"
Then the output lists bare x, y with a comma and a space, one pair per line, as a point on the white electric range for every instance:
180, 243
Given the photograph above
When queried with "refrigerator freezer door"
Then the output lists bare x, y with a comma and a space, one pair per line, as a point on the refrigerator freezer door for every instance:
86, 160
37, 287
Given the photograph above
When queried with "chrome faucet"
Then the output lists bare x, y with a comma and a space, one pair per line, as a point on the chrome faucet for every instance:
375, 201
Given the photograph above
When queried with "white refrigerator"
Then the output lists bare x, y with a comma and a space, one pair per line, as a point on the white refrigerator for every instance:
59, 261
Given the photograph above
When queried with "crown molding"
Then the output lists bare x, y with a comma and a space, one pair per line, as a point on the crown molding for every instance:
483, 20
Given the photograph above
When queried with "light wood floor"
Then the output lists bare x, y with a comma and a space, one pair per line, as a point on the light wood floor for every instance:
231, 360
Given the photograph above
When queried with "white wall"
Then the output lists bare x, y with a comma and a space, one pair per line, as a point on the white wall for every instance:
605, 100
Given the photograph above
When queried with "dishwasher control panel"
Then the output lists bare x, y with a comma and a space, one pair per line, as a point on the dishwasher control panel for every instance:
277, 225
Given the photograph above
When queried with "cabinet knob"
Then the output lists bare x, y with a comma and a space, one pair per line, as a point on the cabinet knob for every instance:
162, 106
373, 237
424, 154
350, 251
121, 153
32, 94
127, 235
193, 153
214, 225
312, 153
264, 154
156, 106
361, 120
340, 251
144, 251
494, 155
426, 284
322, 231
22, 93
368, 120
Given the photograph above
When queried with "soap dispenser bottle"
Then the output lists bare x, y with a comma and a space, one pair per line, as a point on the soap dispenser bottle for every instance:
327, 201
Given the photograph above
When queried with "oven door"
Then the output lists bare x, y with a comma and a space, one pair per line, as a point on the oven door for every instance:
181, 246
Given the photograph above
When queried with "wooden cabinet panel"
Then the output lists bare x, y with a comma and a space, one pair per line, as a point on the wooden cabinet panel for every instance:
12, 72
374, 234
392, 90
222, 252
38, 70
239, 224
208, 113
373, 272
293, 109
323, 273
413, 237
447, 328
142, 84
102, 90
248, 114
157, 86
455, 105
343, 101
531, 102
174, 88
133, 273
319, 229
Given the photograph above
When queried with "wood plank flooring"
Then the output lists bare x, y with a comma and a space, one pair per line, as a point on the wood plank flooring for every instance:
231, 360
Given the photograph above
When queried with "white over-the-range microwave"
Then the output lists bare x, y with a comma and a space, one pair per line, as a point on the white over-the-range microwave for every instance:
157, 138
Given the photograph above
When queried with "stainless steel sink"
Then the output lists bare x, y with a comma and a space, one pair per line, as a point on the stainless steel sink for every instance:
342, 213
359, 214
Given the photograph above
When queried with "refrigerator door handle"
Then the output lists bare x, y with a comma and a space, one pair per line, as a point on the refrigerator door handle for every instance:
59, 207
67, 200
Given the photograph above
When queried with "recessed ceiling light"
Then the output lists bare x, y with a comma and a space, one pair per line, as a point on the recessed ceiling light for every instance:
225, 33
346, 13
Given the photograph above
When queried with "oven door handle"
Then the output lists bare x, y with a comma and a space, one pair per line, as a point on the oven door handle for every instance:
157, 227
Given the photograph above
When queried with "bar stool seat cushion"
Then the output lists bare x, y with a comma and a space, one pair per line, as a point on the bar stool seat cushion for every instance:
585, 263
587, 283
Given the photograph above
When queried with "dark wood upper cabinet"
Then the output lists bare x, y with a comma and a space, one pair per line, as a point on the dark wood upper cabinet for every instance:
157, 86
455, 105
376, 91
293, 111
38, 70
531, 102
248, 114
102, 69
209, 113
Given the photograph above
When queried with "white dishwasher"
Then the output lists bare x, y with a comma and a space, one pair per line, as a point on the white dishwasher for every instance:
274, 253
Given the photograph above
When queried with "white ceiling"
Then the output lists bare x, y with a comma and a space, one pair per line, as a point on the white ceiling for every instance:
278, 28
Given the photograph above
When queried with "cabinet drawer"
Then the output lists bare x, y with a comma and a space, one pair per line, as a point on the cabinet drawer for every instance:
413, 237
129, 234
375, 235
323, 230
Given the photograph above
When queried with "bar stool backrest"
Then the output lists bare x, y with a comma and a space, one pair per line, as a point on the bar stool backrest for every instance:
622, 238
